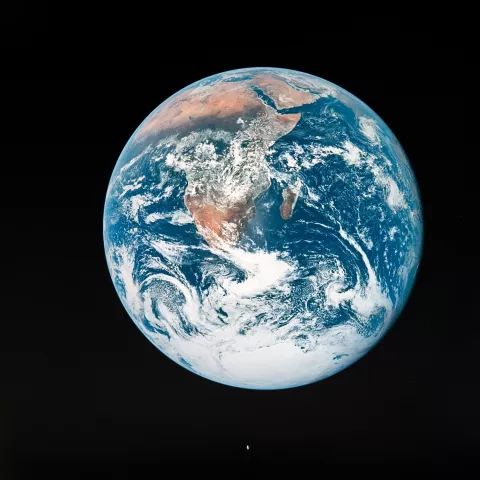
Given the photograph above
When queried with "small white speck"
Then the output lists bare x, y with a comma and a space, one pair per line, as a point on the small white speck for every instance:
248, 447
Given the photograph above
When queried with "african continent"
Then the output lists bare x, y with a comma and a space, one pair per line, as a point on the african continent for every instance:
263, 228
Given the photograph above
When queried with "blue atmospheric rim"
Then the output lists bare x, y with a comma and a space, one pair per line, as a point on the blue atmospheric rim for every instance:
401, 307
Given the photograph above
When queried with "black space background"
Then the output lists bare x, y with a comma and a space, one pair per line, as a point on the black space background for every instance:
82, 391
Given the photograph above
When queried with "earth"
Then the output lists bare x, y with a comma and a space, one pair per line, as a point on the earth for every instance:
263, 228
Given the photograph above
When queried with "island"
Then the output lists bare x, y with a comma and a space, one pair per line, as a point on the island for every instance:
288, 204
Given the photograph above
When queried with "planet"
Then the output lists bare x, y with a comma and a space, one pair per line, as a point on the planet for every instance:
263, 228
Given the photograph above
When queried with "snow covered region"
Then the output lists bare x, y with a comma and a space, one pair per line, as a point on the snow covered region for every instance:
208, 264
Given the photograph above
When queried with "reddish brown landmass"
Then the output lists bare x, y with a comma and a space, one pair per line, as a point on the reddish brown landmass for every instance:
195, 107
283, 95
221, 105
280, 125
217, 224
312, 84
289, 200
